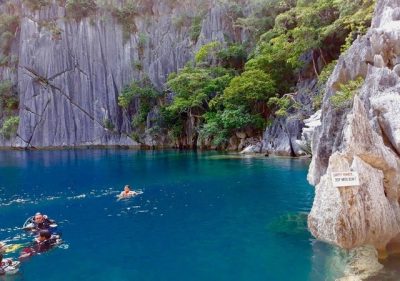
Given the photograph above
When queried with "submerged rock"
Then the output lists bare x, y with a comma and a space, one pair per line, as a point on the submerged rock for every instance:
290, 224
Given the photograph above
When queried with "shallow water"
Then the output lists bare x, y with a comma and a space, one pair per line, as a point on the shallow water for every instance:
202, 216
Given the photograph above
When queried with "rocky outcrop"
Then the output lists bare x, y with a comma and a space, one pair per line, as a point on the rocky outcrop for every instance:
69, 84
363, 138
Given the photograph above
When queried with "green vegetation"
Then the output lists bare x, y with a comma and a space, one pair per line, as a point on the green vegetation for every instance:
195, 29
225, 94
8, 27
79, 9
322, 80
36, 4
343, 98
53, 28
234, 56
126, 17
8, 98
207, 50
10, 127
146, 96
107, 123
219, 126
283, 105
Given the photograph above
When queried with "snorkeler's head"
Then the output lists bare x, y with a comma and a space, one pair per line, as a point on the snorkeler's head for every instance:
44, 235
127, 188
39, 218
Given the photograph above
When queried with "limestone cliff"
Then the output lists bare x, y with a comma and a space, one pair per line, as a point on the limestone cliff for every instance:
70, 72
361, 134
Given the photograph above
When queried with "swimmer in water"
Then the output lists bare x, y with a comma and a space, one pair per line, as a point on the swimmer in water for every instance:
7, 266
127, 193
42, 243
40, 222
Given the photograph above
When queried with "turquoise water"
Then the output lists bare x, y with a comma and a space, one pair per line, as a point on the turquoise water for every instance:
202, 216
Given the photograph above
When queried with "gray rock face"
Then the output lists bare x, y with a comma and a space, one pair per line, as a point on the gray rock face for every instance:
69, 86
283, 137
365, 139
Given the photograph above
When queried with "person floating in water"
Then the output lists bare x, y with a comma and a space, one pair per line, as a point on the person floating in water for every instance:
127, 193
7, 266
43, 242
39, 222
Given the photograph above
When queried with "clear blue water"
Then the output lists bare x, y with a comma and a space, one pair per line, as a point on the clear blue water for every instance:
202, 216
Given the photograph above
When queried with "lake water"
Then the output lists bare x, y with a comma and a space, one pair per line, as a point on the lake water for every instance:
202, 216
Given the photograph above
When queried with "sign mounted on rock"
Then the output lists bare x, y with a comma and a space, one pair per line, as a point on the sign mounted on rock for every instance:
340, 179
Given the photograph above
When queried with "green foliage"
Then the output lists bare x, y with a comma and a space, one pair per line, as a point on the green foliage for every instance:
8, 27
262, 16
234, 56
322, 79
317, 100
125, 16
343, 98
195, 29
36, 4
53, 28
172, 121
181, 20
141, 89
8, 99
144, 94
107, 123
195, 87
309, 26
79, 9
137, 65
220, 125
251, 87
10, 127
326, 73
283, 105
206, 51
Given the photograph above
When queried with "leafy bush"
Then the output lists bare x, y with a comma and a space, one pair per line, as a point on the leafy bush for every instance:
220, 125
251, 87
181, 20
195, 87
79, 9
137, 65
234, 56
126, 17
138, 89
8, 27
107, 123
206, 50
36, 4
283, 105
344, 97
195, 29
53, 28
322, 79
8, 99
10, 127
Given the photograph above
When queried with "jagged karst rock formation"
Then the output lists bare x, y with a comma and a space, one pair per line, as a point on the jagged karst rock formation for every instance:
68, 83
69, 73
363, 138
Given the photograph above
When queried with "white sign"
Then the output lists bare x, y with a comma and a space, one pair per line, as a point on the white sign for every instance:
340, 179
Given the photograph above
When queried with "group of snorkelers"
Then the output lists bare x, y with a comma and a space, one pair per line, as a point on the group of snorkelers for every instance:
46, 237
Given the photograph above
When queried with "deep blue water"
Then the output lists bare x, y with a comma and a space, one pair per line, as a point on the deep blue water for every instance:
202, 216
